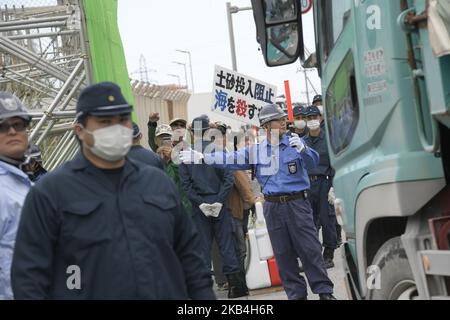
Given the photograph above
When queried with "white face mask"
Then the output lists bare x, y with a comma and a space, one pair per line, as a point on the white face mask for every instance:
111, 143
300, 124
320, 109
314, 124
178, 134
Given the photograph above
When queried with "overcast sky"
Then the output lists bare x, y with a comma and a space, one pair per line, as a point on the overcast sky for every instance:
155, 29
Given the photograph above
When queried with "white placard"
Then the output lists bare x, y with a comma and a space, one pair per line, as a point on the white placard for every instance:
240, 97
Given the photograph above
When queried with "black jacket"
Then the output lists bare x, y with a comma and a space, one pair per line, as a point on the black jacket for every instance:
203, 180
132, 243
320, 145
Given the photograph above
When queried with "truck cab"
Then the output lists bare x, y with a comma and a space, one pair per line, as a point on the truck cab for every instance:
386, 103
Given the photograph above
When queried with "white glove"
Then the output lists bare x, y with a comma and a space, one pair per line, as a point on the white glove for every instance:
205, 208
331, 196
296, 142
216, 208
211, 210
191, 157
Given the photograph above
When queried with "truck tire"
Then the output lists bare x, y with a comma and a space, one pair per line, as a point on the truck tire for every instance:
396, 277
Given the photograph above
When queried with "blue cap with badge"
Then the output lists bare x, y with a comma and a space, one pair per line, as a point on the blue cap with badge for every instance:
312, 111
102, 100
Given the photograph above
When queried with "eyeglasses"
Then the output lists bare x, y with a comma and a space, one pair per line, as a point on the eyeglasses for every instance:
19, 126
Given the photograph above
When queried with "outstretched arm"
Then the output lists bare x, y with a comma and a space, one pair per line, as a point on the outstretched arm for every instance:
239, 160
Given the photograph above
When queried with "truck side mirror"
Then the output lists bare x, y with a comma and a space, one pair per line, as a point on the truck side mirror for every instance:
279, 30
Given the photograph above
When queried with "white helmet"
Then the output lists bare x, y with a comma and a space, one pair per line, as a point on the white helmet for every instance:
269, 113
11, 106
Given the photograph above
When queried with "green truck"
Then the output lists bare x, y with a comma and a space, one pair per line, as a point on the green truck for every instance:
385, 70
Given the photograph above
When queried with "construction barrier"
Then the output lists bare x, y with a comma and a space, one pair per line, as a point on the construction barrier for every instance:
262, 271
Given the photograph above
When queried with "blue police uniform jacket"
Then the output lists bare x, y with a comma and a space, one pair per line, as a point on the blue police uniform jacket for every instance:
201, 182
130, 242
143, 155
14, 186
280, 170
320, 145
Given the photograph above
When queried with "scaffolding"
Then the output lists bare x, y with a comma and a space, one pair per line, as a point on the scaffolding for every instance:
44, 61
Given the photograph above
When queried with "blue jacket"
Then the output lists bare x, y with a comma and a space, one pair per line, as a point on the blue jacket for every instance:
143, 155
280, 170
14, 186
131, 242
200, 181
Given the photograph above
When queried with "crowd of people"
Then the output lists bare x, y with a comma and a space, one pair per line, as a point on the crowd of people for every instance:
120, 221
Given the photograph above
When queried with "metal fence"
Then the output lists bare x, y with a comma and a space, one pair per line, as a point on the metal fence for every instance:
42, 61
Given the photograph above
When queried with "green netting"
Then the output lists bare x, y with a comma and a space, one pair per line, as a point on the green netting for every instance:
108, 58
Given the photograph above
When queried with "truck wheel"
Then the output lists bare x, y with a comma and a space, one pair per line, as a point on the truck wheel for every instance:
396, 277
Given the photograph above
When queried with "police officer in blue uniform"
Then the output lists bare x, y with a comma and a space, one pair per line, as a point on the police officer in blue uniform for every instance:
318, 102
208, 189
321, 178
281, 169
106, 227
300, 127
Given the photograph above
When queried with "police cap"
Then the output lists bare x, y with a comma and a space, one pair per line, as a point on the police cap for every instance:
102, 99
312, 111
299, 110
136, 130
317, 98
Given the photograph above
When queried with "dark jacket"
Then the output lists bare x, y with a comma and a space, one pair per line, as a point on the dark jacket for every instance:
143, 155
134, 242
320, 145
203, 180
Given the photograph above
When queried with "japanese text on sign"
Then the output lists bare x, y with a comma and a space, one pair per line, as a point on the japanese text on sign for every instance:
374, 64
240, 97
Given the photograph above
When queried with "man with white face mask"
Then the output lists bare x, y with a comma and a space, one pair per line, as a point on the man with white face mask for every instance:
317, 102
103, 226
321, 178
300, 121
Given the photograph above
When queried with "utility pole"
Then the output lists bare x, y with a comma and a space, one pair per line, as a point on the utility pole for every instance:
307, 88
230, 11
185, 72
190, 66
175, 76
307, 82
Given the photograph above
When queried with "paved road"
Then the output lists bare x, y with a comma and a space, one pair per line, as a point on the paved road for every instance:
336, 274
